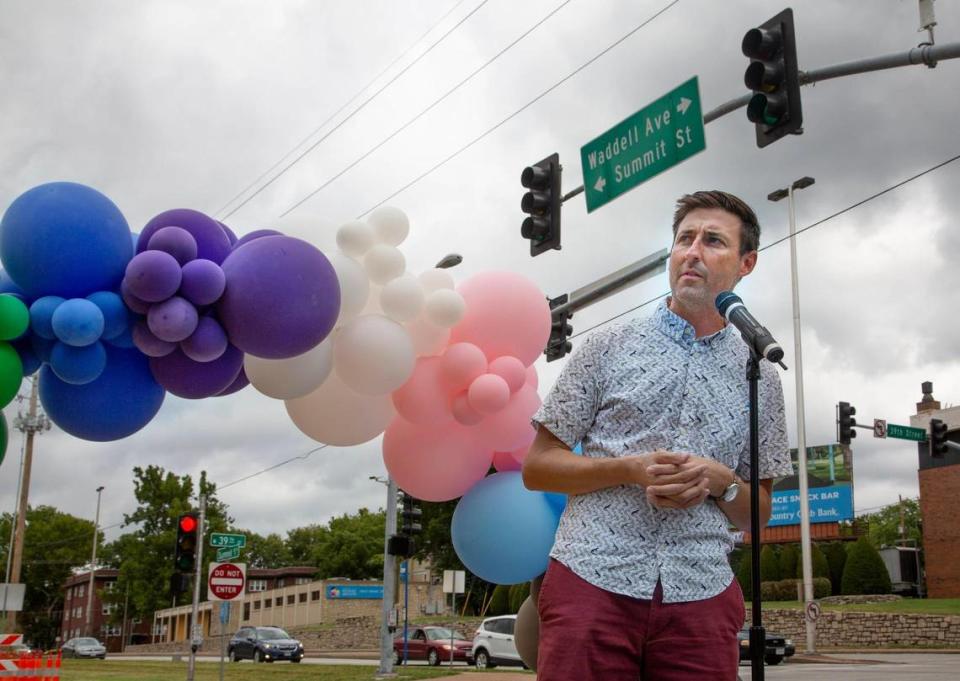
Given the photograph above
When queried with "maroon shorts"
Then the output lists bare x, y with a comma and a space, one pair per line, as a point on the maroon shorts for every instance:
587, 633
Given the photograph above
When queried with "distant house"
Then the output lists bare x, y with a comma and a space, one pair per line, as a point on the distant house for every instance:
115, 636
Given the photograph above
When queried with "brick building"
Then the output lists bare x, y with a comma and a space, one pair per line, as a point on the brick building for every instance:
104, 624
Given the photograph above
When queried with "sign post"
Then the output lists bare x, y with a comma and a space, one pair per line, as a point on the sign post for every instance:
453, 584
654, 139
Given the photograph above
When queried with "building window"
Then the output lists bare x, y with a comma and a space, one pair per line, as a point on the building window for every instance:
256, 605
257, 585
303, 597
302, 580
108, 586
314, 595
80, 591
246, 611
291, 599
279, 601
267, 602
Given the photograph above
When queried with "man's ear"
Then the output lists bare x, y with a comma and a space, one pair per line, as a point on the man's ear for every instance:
747, 262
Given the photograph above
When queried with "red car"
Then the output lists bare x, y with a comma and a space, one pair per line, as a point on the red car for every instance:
432, 644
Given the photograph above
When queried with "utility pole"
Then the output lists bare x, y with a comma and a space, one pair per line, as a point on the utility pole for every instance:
196, 638
93, 566
389, 567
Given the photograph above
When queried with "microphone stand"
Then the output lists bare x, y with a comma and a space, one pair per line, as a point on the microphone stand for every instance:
758, 637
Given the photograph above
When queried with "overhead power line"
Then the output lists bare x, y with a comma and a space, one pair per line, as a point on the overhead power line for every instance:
354, 112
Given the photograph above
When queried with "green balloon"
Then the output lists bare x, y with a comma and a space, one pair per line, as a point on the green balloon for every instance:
4, 436
14, 317
11, 373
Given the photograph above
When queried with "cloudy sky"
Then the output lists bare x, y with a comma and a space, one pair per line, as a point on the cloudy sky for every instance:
167, 104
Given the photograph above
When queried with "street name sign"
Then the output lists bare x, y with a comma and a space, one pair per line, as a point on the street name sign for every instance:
906, 432
223, 540
654, 139
228, 553
225, 581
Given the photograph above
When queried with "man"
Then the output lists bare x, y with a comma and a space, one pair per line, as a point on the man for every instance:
639, 585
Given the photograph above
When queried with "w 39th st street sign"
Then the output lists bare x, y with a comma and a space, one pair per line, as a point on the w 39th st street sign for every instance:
654, 139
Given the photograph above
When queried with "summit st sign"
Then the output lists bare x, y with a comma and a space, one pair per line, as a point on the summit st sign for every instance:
652, 140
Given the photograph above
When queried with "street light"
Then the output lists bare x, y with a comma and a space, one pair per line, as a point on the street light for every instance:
449, 260
93, 562
805, 548
389, 568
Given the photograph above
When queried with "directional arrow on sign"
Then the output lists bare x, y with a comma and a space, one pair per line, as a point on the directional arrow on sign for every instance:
601, 183
684, 105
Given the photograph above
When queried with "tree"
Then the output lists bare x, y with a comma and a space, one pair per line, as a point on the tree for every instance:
865, 572
499, 601
789, 557
517, 595
265, 552
348, 546
883, 527
818, 561
745, 575
769, 564
54, 543
836, 553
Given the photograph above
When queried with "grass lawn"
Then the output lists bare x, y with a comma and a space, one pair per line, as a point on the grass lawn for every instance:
112, 670
926, 606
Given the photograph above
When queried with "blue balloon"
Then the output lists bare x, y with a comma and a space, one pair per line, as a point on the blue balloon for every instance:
119, 403
78, 365
41, 316
124, 340
502, 531
29, 359
42, 347
64, 239
8, 286
557, 502
116, 317
77, 322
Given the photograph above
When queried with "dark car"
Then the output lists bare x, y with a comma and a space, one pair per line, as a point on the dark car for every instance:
84, 647
432, 644
777, 647
264, 644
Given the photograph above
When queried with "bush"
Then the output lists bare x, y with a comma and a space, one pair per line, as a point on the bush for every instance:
518, 594
789, 557
792, 589
864, 572
836, 554
770, 591
821, 568
769, 565
744, 574
499, 601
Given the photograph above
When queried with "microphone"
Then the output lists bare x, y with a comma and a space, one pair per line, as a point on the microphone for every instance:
756, 336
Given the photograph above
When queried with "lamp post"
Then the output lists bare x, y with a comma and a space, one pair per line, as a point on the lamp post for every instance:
389, 567
93, 564
449, 260
805, 548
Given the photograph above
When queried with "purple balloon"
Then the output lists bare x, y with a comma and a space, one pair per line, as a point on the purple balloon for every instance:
131, 301
203, 282
172, 320
212, 242
282, 297
152, 276
231, 235
149, 344
176, 241
185, 378
239, 383
207, 343
255, 234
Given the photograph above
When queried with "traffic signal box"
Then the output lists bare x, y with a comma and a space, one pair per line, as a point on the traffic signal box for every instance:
403, 544
185, 556
938, 438
542, 204
846, 422
560, 330
773, 76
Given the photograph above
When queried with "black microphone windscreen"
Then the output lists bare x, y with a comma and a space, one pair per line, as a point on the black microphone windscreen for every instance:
725, 300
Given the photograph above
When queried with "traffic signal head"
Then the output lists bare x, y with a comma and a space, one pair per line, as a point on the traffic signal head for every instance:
846, 422
938, 438
401, 545
185, 555
773, 76
560, 330
411, 517
542, 204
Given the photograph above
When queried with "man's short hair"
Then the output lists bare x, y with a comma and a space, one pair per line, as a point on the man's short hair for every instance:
749, 227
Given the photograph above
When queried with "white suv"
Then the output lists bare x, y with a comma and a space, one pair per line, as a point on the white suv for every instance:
493, 643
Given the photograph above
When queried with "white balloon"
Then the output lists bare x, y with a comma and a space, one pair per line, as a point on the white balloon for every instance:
402, 298
445, 308
390, 225
384, 263
428, 339
336, 415
355, 238
286, 379
373, 355
435, 279
373, 302
354, 285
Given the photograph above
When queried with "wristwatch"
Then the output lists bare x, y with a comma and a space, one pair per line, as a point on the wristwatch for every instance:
731, 491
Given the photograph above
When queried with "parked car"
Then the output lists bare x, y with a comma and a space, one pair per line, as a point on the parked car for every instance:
493, 643
264, 644
777, 647
432, 644
84, 647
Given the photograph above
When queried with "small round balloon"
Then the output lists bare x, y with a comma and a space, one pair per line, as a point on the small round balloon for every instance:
212, 242
14, 317
287, 379
390, 225
355, 238
173, 320
78, 365
373, 355
153, 276
207, 342
41, 316
116, 319
203, 282
191, 380
148, 343
77, 322
175, 241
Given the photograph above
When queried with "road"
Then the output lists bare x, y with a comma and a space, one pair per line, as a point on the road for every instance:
872, 667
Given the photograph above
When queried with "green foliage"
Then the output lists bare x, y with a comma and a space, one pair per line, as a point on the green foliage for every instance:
770, 591
744, 575
792, 589
499, 601
265, 552
789, 557
864, 572
518, 594
769, 564
836, 554
350, 545
883, 527
818, 560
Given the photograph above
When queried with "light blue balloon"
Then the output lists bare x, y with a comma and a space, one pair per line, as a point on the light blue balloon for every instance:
78, 365
41, 316
502, 531
116, 317
77, 322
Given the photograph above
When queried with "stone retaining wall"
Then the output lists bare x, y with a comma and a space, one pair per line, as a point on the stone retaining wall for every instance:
843, 629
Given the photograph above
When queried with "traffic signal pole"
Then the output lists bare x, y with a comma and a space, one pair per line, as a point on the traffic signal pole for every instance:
195, 630
389, 566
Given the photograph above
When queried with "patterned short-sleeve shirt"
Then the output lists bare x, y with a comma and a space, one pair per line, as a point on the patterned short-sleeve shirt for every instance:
651, 384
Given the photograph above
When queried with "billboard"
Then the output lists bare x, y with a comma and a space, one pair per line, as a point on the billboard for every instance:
367, 591
829, 487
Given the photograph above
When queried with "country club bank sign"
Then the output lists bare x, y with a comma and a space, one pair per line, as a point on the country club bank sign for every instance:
827, 505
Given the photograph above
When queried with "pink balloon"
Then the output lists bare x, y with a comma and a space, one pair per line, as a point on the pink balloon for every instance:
434, 463
511, 370
462, 363
488, 394
423, 398
506, 315
532, 379
463, 413
504, 461
510, 427
428, 340
520, 454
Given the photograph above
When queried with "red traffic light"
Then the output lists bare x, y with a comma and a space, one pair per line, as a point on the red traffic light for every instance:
188, 523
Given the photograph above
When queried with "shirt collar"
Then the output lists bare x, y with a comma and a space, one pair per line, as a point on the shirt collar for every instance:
679, 329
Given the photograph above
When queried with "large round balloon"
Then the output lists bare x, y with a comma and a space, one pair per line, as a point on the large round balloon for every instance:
282, 297
434, 462
121, 401
506, 315
424, 398
11, 373
212, 242
4, 436
336, 415
514, 549
14, 317
192, 380
354, 286
526, 633
64, 239
373, 355
287, 379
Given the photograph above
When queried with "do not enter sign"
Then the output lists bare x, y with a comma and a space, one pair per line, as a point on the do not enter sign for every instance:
226, 581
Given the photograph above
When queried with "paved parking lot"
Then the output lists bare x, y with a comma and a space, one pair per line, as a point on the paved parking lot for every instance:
872, 667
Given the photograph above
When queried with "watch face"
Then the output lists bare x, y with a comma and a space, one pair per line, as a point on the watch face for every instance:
731, 492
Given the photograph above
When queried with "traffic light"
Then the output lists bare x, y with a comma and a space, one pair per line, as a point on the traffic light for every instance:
179, 583
400, 545
846, 422
185, 556
938, 438
773, 76
542, 204
560, 330
411, 516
